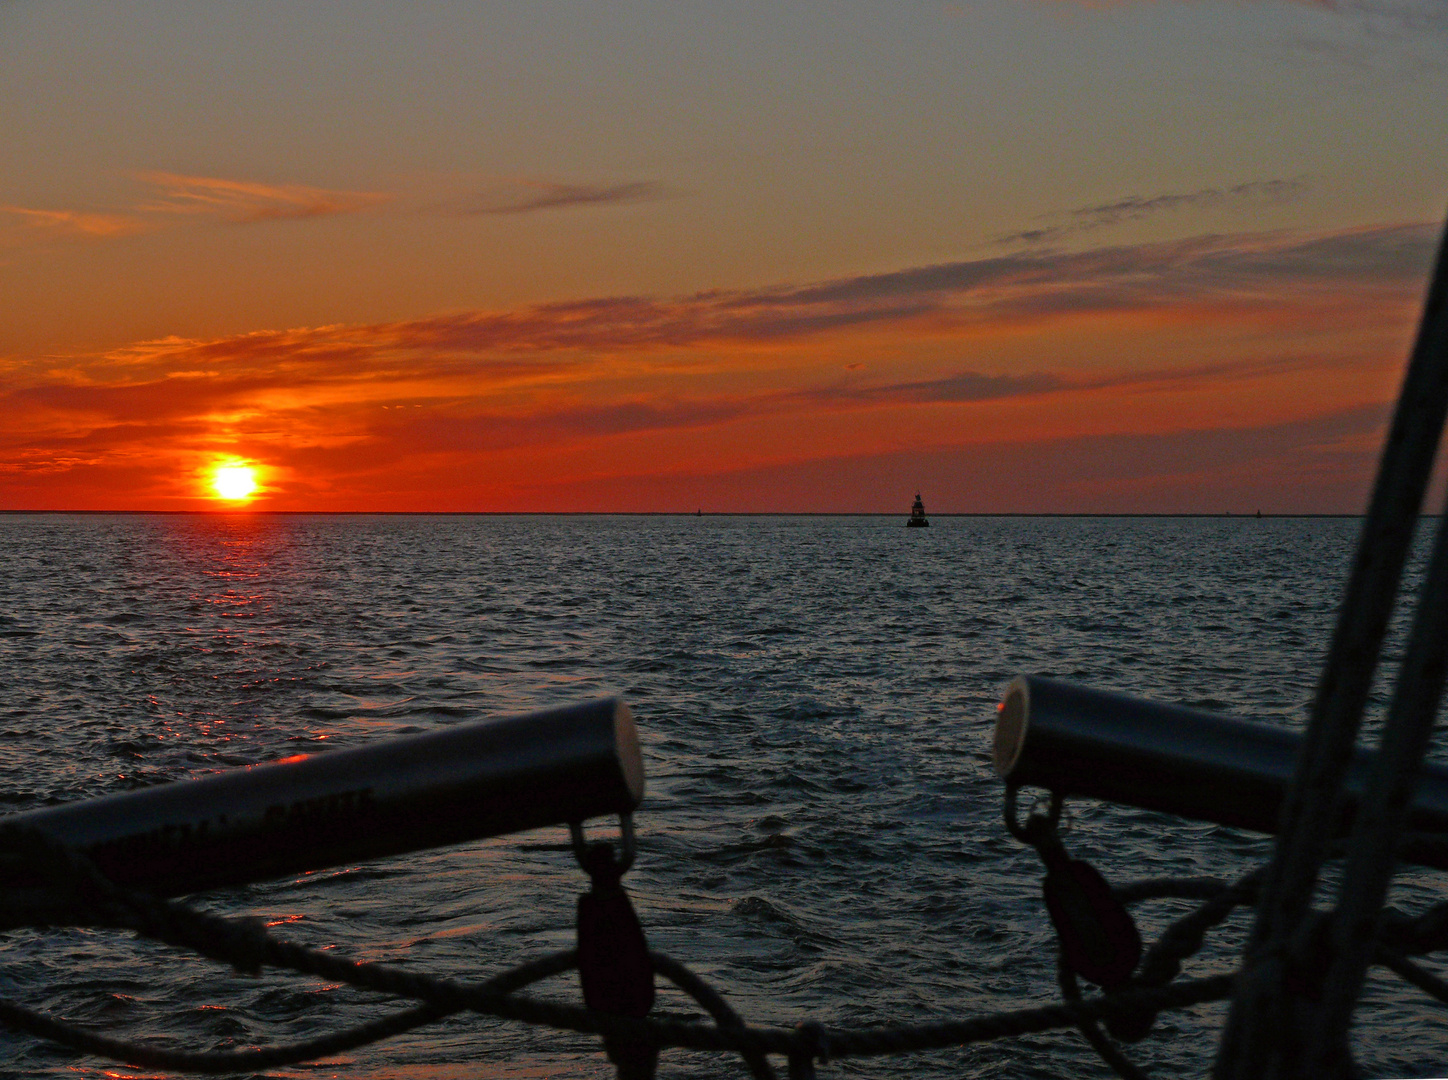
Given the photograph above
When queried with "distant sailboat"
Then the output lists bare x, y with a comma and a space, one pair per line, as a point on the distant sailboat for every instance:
917, 514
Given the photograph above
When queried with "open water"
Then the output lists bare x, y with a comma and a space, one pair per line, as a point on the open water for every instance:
822, 832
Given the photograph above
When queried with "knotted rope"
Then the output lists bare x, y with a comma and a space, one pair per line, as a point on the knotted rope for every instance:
77, 894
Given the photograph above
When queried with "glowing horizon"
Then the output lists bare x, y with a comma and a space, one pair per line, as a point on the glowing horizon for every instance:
765, 281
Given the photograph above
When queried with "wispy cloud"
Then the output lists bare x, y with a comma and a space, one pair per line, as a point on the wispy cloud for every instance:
1403, 37
1134, 207
176, 197
1400, 16
1246, 271
531, 196
958, 387
249, 201
1406, 15
74, 222
1243, 270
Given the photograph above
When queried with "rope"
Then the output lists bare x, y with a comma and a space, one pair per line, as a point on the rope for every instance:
85, 897
860, 1042
1091, 1031
1425, 981
714, 1003
1416, 935
1381, 817
1185, 937
76, 890
1263, 1024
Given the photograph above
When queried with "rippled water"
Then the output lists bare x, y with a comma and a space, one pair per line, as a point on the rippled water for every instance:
821, 836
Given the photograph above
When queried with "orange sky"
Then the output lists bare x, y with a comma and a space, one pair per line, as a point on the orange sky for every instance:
823, 311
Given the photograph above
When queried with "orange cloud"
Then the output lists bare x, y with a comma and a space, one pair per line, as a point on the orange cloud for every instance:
1310, 466
248, 201
74, 223
235, 201
1249, 276
179, 196
1128, 351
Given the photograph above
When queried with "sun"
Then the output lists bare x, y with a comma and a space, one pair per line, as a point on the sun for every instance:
234, 483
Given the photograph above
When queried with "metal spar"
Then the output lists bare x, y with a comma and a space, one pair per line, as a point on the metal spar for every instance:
1189, 762
439, 787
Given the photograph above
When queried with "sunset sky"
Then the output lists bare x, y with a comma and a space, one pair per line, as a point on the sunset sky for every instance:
1020, 255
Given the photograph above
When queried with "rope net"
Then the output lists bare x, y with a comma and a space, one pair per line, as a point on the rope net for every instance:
75, 893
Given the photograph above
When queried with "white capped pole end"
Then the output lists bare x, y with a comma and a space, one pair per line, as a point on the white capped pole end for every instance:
630, 758
1012, 720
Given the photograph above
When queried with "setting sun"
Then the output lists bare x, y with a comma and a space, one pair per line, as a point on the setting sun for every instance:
234, 482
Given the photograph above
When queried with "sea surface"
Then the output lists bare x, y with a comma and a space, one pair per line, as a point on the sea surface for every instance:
821, 836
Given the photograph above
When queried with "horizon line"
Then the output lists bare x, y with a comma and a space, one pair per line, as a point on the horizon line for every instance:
714, 513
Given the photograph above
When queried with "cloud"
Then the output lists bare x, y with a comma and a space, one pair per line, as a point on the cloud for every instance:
1353, 269
961, 352
248, 201
1319, 463
75, 223
1398, 16
236, 201
1134, 207
531, 196
177, 197
1404, 15
442, 431
1322, 463
960, 386
1244, 270
1403, 38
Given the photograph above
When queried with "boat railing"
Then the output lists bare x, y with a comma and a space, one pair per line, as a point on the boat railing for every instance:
1292, 995
52, 882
